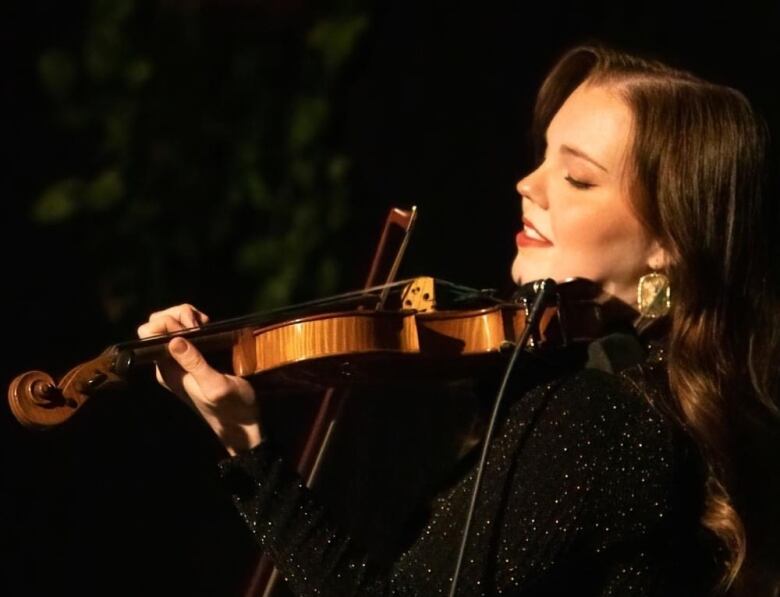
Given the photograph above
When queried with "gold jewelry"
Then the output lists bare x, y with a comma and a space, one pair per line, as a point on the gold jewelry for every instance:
653, 295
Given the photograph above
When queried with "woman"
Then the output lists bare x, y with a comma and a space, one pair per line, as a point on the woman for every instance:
611, 477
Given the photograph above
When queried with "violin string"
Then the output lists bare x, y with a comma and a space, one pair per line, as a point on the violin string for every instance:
269, 317
545, 287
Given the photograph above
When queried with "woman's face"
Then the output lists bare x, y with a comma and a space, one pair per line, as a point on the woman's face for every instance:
577, 212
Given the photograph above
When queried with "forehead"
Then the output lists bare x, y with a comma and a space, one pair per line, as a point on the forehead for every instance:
596, 120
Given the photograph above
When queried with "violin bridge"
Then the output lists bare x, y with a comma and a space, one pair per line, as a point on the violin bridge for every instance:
419, 295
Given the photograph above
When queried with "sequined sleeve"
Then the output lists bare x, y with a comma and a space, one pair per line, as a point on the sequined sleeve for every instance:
579, 488
314, 556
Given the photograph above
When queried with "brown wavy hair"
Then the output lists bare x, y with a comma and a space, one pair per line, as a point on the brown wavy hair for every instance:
698, 158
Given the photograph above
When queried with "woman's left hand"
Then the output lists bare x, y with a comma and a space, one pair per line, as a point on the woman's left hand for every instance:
226, 402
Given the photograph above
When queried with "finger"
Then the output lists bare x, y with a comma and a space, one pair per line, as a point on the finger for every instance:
185, 313
200, 317
164, 324
211, 382
193, 318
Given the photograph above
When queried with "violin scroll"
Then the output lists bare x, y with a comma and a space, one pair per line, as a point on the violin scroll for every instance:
37, 402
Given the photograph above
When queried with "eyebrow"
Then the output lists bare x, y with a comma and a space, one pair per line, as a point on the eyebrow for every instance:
581, 154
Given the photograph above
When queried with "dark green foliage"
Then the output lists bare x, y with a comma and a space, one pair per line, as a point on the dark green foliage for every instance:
206, 167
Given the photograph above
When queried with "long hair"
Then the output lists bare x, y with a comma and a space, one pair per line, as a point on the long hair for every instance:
698, 157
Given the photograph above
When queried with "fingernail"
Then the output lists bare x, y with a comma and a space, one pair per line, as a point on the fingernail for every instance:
178, 345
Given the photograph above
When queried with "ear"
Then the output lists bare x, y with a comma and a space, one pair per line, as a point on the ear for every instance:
657, 257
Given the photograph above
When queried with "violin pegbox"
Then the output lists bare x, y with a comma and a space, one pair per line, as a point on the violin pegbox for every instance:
37, 402
419, 295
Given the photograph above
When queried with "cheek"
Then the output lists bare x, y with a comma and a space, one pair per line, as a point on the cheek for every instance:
600, 242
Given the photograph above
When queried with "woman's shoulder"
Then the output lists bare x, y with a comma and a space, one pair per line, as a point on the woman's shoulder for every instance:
602, 433
635, 399
617, 409
620, 378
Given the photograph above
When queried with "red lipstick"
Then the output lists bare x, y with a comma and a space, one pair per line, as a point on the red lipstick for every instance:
529, 236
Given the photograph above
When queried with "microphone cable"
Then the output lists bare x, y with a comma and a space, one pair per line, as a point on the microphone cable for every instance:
543, 288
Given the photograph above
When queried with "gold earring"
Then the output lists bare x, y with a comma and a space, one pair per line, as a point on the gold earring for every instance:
653, 295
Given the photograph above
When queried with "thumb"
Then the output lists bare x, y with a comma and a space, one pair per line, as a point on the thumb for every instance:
190, 359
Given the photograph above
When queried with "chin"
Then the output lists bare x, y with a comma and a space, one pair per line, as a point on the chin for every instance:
525, 270
522, 275
516, 271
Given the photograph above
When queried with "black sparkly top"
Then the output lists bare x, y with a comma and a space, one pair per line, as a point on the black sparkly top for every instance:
590, 489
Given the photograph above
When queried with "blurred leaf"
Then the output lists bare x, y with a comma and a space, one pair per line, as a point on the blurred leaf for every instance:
101, 58
104, 47
112, 11
308, 119
257, 255
117, 123
59, 202
338, 167
105, 191
57, 72
137, 73
336, 38
257, 191
277, 289
305, 223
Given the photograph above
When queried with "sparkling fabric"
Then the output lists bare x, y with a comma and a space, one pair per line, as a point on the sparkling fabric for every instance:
590, 489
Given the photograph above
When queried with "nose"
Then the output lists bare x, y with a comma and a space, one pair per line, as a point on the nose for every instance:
531, 187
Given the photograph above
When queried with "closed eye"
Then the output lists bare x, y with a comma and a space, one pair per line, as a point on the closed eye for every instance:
578, 184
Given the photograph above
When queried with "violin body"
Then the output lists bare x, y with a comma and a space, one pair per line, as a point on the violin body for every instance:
359, 346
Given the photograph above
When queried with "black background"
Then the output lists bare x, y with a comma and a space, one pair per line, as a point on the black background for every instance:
434, 111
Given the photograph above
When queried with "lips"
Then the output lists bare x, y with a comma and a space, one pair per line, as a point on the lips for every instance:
529, 236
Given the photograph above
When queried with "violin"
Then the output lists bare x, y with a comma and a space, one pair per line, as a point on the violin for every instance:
351, 338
